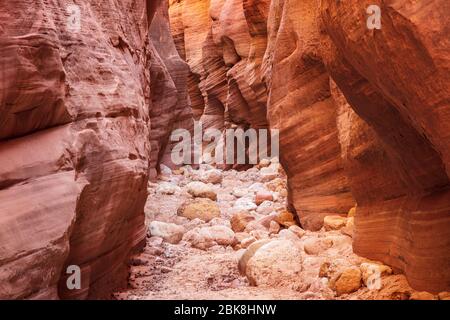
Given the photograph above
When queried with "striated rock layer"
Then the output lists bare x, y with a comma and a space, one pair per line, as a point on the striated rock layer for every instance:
74, 142
375, 135
301, 106
395, 131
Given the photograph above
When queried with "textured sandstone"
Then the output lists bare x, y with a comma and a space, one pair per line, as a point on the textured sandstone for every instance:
394, 131
200, 208
74, 143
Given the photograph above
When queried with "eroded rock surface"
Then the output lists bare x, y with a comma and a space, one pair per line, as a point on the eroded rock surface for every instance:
74, 151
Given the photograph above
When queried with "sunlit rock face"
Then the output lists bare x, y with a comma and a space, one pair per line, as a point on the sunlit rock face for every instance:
224, 43
301, 106
75, 136
395, 131
362, 114
170, 103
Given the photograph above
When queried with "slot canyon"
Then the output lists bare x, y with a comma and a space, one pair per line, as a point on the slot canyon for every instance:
352, 204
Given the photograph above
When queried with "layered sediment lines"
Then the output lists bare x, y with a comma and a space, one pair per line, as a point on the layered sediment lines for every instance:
362, 114
75, 136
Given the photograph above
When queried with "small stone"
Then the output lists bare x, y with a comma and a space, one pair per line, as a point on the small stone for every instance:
178, 172
240, 220
348, 281
324, 271
201, 190
444, 296
264, 163
334, 222
276, 185
422, 296
167, 188
286, 234
240, 236
266, 220
201, 208
274, 227
265, 208
397, 295
262, 196
239, 193
247, 242
299, 232
170, 232
220, 222
285, 218
165, 170
244, 204
260, 234
267, 175
212, 176
207, 237
315, 246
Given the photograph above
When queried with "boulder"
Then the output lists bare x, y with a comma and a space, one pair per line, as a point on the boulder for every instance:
240, 220
348, 281
201, 208
275, 264
262, 196
248, 254
169, 232
207, 237
335, 222
315, 246
285, 218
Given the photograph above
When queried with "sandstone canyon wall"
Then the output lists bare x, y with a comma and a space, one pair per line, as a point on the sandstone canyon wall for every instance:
396, 136
362, 114
85, 119
75, 135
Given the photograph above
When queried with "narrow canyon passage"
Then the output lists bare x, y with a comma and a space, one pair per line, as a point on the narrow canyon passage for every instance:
344, 106
205, 226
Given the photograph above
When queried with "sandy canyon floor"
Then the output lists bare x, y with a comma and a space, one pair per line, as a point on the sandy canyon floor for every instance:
248, 248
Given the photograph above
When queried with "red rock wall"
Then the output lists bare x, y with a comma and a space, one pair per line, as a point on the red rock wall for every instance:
396, 142
377, 135
74, 143
301, 107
